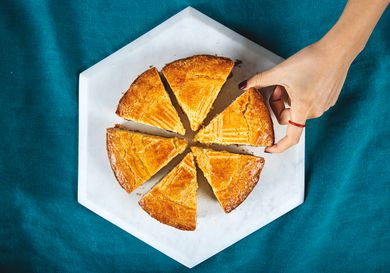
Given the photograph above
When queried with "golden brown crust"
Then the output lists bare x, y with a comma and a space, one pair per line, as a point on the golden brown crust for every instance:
146, 101
172, 201
136, 157
246, 121
196, 82
231, 176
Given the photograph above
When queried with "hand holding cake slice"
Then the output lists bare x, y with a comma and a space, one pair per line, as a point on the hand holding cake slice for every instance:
231, 176
246, 121
172, 201
136, 157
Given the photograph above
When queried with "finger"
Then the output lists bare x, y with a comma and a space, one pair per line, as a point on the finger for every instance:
276, 102
293, 134
292, 138
263, 79
285, 116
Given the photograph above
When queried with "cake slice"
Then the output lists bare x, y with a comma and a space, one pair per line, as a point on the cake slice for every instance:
196, 82
231, 176
246, 121
172, 201
136, 157
147, 102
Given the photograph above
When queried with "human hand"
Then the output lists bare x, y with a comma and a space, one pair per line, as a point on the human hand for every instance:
312, 80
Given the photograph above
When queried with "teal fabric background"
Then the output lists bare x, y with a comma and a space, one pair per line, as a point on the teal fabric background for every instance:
344, 224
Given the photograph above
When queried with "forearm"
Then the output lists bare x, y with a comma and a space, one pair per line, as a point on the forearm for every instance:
354, 27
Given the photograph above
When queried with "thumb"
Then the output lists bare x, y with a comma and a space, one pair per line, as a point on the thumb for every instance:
260, 80
294, 131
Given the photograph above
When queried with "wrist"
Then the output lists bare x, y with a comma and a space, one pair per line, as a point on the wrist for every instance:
339, 45
348, 37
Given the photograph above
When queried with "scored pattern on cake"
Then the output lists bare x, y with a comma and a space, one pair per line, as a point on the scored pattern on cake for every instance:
172, 201
245, 121
231, 176
133, 156
196, 82
146, 101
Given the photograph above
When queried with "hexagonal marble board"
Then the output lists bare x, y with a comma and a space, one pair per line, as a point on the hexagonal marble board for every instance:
281, 185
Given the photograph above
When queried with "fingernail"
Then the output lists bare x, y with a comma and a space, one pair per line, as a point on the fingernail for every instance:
267, 152
243, 85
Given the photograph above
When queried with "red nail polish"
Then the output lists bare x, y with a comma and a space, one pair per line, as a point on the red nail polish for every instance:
243, 85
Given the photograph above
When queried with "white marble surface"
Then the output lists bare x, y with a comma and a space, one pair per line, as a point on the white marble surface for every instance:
281, 186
